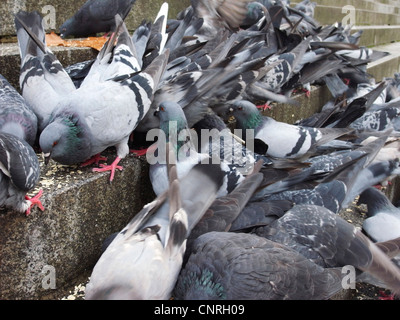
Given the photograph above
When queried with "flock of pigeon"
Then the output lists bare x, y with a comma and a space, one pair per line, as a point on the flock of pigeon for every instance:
250, 216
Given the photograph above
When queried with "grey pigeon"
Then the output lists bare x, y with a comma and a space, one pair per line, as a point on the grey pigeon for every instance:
103, 112
19, 174
16, 116
383, 218
216, 139
95, 16
280, 139
218, 15
174, 129
144, 259
224, 210
330, 241
340, 192
337, 190
240, 266
43, 81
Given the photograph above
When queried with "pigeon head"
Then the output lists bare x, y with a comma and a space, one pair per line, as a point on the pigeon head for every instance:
66, 140
246, 114
67, 28
172, 118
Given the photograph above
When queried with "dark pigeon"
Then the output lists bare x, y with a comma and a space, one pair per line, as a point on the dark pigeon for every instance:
95, 16
240, 266
328, 240
19, 174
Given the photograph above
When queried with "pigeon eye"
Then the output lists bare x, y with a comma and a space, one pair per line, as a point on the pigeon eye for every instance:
55, 143
162, 109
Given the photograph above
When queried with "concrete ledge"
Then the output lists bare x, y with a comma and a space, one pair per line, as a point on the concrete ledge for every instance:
62, 10
362, 5
388, 65
378, 35
332, 14
81, 209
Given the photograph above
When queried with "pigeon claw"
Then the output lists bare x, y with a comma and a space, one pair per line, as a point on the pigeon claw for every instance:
384, 296
94, 160
264, 107
35, 200
140, 152
112, 167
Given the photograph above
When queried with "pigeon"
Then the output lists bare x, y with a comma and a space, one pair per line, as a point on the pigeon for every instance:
337, 190
174, 129
95, 16
279, 139
383, 218
330, 241
241, 266
216, 139
16, 116
321, 166
43, 80
102, 114
143, 261
19, 174
219, 15
225, 210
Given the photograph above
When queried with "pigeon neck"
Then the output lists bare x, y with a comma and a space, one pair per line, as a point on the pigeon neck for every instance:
205, 287
252, 121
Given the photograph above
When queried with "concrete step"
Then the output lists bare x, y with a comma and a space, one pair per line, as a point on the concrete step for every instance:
378, 35
362, 5
56, 12
332, 14
388, 65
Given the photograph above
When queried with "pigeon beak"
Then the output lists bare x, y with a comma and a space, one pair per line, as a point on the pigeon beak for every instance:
46, 157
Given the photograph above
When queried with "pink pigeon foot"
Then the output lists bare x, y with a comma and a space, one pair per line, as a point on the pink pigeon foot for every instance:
94, 160
385, 296
112, 167
264, 107
143, 152
34, 201
140, 152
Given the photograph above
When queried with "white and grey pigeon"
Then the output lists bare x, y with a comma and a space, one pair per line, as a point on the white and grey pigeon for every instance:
19, 174
144, 259
102, 113
280, 139
95, 16
383, 218
174, 129
43, 81
16, 116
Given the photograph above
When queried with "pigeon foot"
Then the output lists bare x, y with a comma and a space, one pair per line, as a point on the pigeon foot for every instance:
112, 167
94, 160
35, 200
